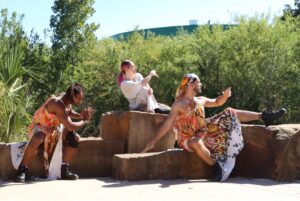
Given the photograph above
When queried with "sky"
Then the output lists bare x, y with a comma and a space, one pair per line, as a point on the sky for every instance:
118, 16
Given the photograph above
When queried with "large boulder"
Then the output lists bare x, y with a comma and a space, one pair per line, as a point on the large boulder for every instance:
136, 129
271, 152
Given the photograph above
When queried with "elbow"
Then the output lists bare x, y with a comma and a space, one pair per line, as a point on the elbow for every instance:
220, 103
71, 127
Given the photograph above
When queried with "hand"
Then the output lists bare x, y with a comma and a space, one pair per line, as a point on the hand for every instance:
150, 91
227, 92
87, 113
153, 73
148, 147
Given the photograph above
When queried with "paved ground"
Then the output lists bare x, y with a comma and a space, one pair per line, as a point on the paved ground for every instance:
154, 190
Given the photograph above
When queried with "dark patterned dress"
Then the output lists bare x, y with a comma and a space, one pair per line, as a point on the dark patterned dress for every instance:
220, 133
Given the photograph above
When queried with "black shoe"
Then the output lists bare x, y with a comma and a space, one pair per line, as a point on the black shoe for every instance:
270, 117
21, 174
66, 174
217, 171
176, 145
162, 110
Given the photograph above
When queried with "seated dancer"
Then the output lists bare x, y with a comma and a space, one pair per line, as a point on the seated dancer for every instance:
217, 140
44, 129
137, 89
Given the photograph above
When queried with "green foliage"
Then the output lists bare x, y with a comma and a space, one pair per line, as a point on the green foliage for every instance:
14, 101
72, 37
290, 11
258, 58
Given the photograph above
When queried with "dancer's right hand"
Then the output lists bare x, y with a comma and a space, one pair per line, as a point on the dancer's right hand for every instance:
87, 113
153, 73
148, 147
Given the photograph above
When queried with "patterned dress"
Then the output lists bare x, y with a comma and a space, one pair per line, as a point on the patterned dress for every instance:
48, 123
221, 134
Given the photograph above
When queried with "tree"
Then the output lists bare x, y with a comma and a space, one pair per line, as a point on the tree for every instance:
72, 35
294, 12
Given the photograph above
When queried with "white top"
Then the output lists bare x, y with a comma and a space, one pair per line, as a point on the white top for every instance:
138, 95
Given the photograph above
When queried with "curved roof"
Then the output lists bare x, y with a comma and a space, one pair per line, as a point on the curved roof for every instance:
166, 31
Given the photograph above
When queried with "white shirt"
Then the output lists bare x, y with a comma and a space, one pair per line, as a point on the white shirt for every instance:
138, 95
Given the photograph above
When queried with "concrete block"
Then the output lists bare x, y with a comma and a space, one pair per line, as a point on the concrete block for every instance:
94, 159
136, 129
171, 164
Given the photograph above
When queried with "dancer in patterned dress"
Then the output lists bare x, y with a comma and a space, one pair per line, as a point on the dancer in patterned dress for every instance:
44, 129
216, 140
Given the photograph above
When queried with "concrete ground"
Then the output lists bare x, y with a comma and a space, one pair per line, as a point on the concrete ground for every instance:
154, 190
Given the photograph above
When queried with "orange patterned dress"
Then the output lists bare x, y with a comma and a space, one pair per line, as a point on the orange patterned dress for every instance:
221, 133
48, 123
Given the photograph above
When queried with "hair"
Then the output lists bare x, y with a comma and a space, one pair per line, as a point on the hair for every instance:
186, 80
125, 64
73, 90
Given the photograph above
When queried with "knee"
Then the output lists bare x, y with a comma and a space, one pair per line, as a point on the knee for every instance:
197, 144
72, 139
194, 144
37, 139
231, 110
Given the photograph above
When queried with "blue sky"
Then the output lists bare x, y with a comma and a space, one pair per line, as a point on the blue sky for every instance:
117, 16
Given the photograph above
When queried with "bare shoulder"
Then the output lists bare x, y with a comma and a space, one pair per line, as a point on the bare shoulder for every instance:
55, 105
180, 105
201, 98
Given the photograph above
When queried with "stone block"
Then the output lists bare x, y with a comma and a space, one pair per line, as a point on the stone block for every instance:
271, 152
94, 159
171, 164
136, 129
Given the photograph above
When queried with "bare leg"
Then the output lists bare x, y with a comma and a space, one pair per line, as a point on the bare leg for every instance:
31, 149
200, 149
245, 116
68, 152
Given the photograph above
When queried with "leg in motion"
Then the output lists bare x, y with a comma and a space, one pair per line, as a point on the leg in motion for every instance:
30, 151
267, 117
196, 145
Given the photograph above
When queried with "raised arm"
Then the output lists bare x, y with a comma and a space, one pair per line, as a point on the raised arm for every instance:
216, 102
163, 130
147, 79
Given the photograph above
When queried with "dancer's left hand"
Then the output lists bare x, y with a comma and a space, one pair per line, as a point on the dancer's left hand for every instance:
227, 92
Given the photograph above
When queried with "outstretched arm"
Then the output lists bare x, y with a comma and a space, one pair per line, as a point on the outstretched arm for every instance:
147, 79
216, 102
167, 125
